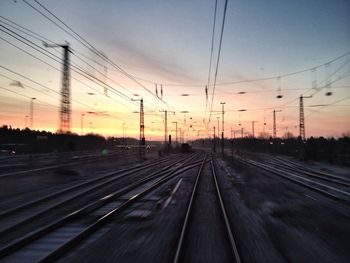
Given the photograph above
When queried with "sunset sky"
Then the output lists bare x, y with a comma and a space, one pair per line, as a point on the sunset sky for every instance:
168, 42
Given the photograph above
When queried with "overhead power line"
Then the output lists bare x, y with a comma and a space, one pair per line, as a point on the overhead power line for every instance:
87, 44
170, 84
75, 53
327, 79
211, 53
328, 105
40, 38
95, 111
52, 56
218, 57
286, 74
28, 97
264, 78
48, 88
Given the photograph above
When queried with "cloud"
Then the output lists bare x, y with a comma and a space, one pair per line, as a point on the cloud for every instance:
149, 61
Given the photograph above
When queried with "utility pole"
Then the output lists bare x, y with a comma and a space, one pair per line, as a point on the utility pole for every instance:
82, 123
166, 127
214, 141
222, 127
218, 127
231, 144
181, 135
302, 117
176, 142
142, 124
65, 108
242, 132
123, 132
142, 131
274, 123
31, 112
26, 121
253, 122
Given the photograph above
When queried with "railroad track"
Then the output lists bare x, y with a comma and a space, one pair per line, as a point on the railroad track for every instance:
18, 218
86, 224
42, 157
293, 176
342, 181
75, 160
206, 234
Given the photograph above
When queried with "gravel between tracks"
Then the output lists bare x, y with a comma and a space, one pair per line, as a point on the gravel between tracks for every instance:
147, 232
19, 189
272, 219
282, 222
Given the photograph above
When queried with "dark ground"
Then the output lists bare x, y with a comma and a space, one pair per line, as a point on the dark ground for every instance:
273, 220
17, 189
277, 221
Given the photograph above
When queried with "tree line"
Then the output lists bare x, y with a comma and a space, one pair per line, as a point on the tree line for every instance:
332, 150
31, 141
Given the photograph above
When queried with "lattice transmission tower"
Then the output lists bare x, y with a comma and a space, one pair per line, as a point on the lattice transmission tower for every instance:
302, 117
65, 107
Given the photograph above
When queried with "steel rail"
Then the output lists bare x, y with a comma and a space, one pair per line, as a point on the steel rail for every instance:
35, 235
187, 216
70, 162
313, 172
308, 180
73, 242
184, 229
224, 214
85, 183
287, 175
307, 173
44, 211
